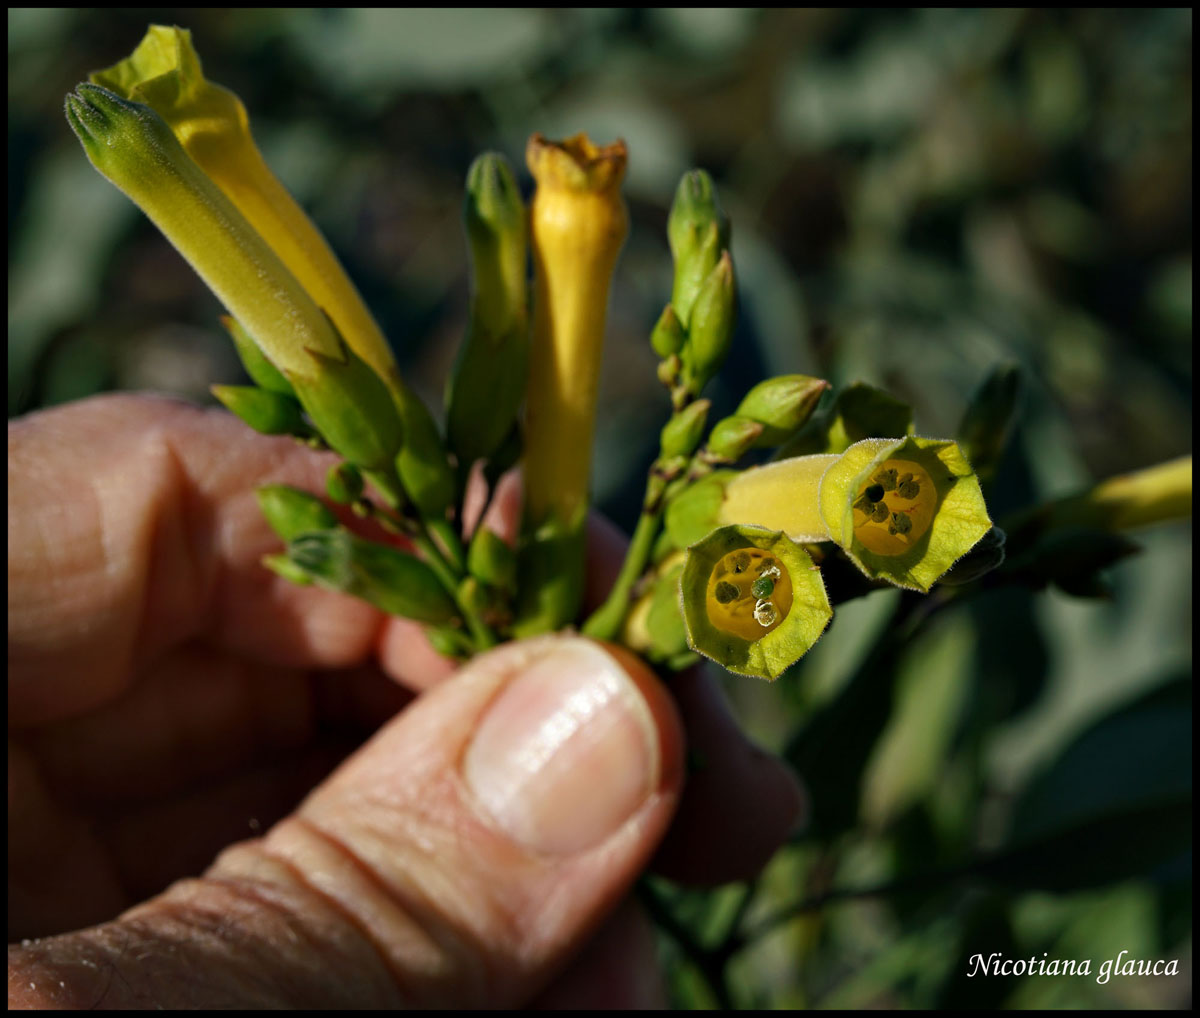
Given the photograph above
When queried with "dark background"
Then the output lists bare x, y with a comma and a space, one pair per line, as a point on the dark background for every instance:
915, 196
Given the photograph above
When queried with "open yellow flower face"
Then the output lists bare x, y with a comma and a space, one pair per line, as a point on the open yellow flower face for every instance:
749, 593
752, 600
895, 507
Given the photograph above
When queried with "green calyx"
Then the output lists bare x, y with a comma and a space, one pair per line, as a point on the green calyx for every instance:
262, 372
268, 413
351, 407
391, 580
291, 512
723, 620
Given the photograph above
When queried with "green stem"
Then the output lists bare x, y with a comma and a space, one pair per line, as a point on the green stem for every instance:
479, 630
605, 621
448, 573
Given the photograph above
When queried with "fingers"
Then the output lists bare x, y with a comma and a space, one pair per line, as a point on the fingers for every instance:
458, 860
133, 527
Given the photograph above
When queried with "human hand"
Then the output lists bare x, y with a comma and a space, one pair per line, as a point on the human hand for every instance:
169, 697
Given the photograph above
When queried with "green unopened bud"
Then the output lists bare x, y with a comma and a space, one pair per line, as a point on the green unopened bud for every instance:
421, 464
488, 381
283, 566
654, 627
668, 370
291, 512
691, 273
344, 483
782, 406
351, 408
987, 422
266, 412
492, 560
450, 642
668, 334
698, 231
710, 330
733, 437
393, 581
860, 411
727, 616
263, 373
682, 432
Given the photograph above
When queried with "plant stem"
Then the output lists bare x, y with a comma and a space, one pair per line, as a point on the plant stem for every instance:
448, 573
709, 964
605, 621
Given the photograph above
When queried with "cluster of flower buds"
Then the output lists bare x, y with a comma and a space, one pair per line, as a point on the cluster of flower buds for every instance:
723, 563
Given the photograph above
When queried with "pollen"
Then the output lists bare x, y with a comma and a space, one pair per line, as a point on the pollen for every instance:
749, 593
895, 507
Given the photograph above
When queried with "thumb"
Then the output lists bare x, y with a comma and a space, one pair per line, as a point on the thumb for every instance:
459, 859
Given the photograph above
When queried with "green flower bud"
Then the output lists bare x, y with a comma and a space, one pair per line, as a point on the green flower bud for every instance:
698, 231
450, 642
351, 407
710, 329
487, 384
860, 411
266, 412
391, 580
654, 626
283, 566
262, 372
987, 422
291, 512
905, 510
344, 483
733, 437
492, 560
727, 621
782, 406
682, 432
668, 335
422, 464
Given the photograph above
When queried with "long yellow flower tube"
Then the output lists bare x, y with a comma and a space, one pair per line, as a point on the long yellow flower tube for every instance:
211, 124
578, 223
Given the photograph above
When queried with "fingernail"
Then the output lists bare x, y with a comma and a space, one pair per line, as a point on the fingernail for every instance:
566, 752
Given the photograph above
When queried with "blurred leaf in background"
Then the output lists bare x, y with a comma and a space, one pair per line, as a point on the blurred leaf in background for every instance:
917, 196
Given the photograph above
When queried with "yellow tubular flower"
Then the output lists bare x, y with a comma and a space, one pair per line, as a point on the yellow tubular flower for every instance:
211, 124
578, 223
129, 144
1153, 495
779, 496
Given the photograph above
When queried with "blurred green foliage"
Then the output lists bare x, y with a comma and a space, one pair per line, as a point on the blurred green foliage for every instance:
915, 196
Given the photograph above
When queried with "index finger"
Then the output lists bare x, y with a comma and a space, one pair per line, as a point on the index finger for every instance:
133, 528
